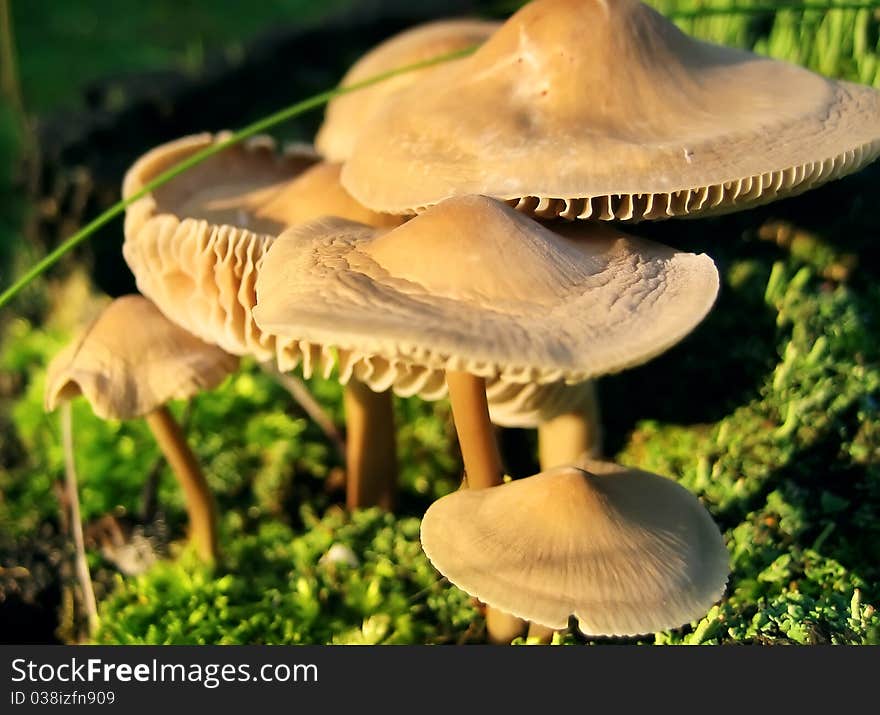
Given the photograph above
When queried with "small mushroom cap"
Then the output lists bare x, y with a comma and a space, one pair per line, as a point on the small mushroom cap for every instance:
194, 244
626, 551
346, 114
473, 285
598, 109
131, 360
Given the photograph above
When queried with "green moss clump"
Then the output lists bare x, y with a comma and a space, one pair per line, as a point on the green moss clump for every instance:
281, 587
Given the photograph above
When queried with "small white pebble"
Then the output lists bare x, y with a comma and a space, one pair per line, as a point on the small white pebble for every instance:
340, 554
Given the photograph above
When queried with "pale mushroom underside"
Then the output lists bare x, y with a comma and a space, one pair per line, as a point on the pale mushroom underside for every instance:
625, 551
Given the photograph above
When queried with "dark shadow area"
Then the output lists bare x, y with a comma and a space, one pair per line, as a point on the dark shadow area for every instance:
722, 364
30, 589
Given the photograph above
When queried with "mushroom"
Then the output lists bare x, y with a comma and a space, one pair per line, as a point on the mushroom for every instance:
346, 115
625, 551
596, 109
129, 363
474, 290
196, 243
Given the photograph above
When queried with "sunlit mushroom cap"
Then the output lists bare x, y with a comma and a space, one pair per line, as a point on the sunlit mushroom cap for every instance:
599, 109
625, 551
473, 285
131, 360
195, 243
346, 114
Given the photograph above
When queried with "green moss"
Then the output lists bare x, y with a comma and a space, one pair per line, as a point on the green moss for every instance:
280, 587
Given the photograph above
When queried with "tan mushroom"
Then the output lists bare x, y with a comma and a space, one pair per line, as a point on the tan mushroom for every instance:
625, 551
474, 290
346, 115
195, 246
597, 109
473, 286
129, 363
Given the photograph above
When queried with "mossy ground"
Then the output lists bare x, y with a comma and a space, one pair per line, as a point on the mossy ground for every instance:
770, 412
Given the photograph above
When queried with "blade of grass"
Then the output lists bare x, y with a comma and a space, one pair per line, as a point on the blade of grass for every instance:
504, 8
301, 395
257, 127
770, 7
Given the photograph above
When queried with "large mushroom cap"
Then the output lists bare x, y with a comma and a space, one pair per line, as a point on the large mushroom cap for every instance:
346, 114
473, 285
195, 243
131, 360
627, 552
598, 109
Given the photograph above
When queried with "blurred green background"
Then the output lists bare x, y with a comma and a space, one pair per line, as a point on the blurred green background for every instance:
770, 411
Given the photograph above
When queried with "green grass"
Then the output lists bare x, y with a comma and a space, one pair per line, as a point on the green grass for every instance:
64, 46
770, 412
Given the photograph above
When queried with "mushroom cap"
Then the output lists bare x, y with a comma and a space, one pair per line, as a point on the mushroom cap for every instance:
131, 360
195, 243
625, 551
346, 114
472, 285
597, 109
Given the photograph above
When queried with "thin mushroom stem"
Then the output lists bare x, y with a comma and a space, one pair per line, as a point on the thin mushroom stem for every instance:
82, 565
482, 465
370, 448
476, 435
542, 634
200, 504
572, 436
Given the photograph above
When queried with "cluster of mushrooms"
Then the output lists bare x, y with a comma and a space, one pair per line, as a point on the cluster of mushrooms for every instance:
450, 235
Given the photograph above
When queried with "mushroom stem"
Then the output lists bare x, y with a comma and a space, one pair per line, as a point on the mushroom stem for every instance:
542, 634
482, 465
476, 435
502, 627
371, 450
199, 501
572, 436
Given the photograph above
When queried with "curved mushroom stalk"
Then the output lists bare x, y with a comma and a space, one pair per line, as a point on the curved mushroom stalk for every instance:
625, 551
482, 466
540, 634
129, 363
370, 448
200, 506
